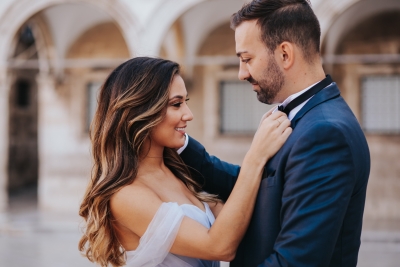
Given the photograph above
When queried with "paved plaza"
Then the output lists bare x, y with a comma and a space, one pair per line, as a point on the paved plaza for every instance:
33, 239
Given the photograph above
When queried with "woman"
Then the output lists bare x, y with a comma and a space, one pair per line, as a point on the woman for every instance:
141, 206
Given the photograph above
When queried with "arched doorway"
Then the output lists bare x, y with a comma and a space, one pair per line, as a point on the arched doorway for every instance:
77, 45
23, 155
23, 118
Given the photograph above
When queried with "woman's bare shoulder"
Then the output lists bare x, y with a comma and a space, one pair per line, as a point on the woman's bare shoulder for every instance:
134, 206
133, 189
134, 198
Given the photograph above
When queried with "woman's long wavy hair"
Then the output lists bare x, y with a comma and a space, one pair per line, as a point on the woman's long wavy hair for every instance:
132, 101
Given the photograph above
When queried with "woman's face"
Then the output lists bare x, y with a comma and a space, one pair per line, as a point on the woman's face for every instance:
171, 131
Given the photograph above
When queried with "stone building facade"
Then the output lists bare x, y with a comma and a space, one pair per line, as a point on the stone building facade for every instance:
54, 54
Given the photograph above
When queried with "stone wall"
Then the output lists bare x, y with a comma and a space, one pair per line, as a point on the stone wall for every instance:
375, 35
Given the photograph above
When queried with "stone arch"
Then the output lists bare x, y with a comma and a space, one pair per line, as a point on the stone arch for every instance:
14, 17
173, 46
213, 63
337, 18
327, 12
22, 10
88, 61
220, 42
198, 22
155, 29
90, 44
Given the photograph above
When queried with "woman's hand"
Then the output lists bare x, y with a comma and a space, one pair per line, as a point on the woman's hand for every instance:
269, 112
273, 131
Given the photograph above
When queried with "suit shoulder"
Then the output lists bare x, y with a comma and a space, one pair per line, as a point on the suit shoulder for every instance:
323, 127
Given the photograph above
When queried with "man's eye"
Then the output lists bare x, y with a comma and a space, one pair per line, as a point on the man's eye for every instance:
245, 60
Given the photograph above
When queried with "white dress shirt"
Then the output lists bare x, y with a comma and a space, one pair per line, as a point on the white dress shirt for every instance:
185, 145
294, 111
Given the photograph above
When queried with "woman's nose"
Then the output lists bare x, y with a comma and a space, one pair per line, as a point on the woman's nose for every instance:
187, 115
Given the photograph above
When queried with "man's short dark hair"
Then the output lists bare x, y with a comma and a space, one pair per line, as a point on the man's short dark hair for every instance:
283, 20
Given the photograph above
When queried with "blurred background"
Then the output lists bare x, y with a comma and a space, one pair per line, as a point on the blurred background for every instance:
54, 55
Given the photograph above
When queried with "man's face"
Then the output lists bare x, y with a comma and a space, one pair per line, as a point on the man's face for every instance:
257, 64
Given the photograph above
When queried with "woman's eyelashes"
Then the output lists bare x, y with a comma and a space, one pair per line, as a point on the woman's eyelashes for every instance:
178, 104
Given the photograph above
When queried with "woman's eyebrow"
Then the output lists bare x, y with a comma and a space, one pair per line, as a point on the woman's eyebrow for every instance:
177, 96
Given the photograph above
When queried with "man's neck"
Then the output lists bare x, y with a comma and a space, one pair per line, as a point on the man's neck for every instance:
301, 80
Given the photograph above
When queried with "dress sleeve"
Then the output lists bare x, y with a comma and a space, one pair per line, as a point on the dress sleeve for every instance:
156, 242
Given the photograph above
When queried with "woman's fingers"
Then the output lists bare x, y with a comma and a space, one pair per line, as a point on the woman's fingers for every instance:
274, 120
275, 115
267, 114
272, 134
284, 123
287, 132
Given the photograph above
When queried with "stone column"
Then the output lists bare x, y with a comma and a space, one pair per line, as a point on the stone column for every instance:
64, 161
4, 97
49, 115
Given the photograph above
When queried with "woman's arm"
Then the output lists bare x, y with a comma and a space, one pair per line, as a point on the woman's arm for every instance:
222, 239
217, 176
216, 207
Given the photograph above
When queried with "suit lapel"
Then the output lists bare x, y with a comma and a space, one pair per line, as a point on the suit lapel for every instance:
332, 91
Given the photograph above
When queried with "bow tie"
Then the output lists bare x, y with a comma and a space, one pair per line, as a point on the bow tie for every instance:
306, 95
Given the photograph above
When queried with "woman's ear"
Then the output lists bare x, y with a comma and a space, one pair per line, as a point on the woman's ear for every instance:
286, 55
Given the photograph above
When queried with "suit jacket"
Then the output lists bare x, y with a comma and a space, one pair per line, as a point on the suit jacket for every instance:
310, 203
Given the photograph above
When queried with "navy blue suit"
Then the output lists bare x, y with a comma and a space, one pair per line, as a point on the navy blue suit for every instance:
310, 204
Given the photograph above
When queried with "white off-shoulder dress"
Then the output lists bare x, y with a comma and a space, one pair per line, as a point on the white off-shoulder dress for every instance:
154, 245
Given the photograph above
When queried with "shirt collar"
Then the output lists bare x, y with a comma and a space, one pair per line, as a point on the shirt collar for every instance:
291, 97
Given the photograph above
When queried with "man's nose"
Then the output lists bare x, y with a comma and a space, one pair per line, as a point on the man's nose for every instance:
243, 72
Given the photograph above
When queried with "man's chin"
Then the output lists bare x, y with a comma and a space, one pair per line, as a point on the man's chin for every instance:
263, 99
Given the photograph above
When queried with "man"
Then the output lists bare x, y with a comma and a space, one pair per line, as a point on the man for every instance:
310, 204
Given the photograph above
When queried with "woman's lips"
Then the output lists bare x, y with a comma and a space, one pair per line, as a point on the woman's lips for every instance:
180, 130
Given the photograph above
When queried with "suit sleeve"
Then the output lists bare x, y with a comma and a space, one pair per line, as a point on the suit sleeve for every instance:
319, 181
216, 176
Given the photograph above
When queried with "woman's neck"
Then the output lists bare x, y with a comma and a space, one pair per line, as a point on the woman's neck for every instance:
151, 159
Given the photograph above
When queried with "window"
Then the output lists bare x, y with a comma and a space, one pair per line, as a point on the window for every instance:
240, 109
381, 104
23, 93
92, 93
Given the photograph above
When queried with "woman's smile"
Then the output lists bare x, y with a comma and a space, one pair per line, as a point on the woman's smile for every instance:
181, 130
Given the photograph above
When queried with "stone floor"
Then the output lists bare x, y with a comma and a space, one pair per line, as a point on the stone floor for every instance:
30, 238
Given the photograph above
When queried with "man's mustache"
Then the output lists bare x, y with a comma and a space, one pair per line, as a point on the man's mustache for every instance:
251, 80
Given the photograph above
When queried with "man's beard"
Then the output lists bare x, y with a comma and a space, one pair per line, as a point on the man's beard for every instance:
271, 82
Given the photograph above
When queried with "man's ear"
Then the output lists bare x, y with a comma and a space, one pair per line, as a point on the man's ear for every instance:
286, 54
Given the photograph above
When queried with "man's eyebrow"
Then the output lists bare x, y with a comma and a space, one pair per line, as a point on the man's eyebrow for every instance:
239, 54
